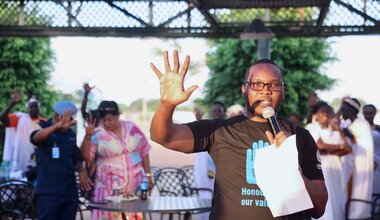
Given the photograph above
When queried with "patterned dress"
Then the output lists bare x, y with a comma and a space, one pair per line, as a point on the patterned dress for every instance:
121, 158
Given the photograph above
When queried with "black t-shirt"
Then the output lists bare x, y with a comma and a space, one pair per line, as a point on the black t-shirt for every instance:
236, 194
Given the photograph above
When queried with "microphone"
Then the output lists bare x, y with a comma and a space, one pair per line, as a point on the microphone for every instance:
269, 114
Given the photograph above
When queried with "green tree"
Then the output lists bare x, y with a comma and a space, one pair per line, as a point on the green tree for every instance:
301, 61
27, 64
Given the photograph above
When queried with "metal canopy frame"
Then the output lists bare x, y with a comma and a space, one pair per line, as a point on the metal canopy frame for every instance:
187, 18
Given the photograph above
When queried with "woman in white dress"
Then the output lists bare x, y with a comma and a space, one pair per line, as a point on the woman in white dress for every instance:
332, 144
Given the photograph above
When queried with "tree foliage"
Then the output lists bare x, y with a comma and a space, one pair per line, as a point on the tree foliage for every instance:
27, 64
301, 61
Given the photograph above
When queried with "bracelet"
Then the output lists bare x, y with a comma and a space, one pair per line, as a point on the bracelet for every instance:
148, 174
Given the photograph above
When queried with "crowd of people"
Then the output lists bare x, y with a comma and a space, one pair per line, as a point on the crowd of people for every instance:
338, 151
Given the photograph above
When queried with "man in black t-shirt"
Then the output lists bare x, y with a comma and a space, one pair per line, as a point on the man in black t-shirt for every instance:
232, 142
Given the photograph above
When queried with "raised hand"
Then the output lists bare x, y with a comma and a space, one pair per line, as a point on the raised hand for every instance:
172, 82
91, 125
65, 121
16, 95
87, 88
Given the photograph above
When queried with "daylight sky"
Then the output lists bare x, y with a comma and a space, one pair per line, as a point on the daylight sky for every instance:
119, 67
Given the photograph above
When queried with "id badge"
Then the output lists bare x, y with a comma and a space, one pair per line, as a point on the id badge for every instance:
55, 152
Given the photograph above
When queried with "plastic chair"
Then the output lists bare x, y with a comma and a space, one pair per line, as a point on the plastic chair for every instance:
17, 200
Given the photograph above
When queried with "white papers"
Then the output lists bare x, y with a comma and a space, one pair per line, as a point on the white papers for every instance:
277, 175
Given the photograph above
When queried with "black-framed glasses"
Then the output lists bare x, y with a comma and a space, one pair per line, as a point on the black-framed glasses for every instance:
272, 86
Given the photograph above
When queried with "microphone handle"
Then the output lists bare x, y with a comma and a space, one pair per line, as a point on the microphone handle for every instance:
274, 124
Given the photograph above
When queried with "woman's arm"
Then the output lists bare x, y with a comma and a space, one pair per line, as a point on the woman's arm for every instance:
86, 143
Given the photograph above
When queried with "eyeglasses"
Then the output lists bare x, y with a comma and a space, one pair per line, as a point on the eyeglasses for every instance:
272, 86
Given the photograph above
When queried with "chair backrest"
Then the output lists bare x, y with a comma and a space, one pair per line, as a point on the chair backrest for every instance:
169, 182
17, 197
190, 178
189, 184
154, 171
374, 204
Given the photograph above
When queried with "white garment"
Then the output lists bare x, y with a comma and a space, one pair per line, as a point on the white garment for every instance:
17, 146
363, 171
333, 173
201, 167
376, 173
10, 134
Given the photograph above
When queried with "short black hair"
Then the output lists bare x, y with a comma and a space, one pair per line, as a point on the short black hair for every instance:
321, 104
108, 107
370, 106
261, 61
219, 103
266, 61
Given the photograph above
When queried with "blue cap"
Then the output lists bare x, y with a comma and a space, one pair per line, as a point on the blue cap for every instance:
62, 106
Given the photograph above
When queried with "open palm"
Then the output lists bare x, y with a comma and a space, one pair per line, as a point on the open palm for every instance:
172, 88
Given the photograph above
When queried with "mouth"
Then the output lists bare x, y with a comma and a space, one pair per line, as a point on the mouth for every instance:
265, 103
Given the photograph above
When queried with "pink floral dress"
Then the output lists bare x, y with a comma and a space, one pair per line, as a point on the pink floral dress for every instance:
121, 158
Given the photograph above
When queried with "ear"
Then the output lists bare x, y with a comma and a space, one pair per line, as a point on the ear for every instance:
283, 95
243, 91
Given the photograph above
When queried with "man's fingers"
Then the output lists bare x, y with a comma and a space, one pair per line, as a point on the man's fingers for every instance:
175, 61
185, 66
72, 122
155, 70
269, 136
93, 122
166, 61
190, 90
